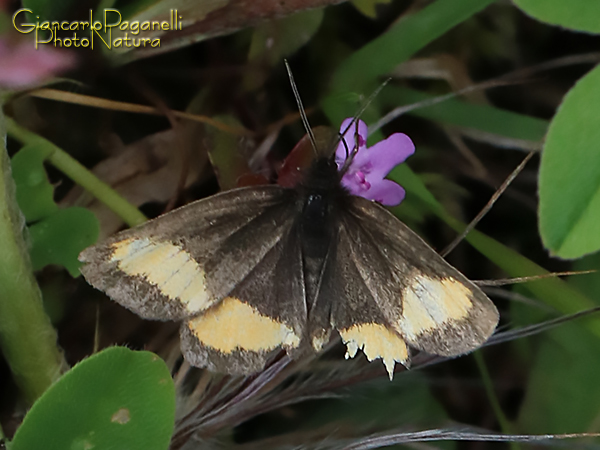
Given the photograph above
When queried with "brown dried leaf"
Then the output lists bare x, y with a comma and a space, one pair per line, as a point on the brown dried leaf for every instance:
148, 170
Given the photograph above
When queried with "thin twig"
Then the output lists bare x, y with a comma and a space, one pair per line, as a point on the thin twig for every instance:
488, 206
96, 102
505, 281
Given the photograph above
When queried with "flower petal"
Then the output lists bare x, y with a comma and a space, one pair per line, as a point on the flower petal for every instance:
21, 65
342, 152
356, 183
386, 192
387, 154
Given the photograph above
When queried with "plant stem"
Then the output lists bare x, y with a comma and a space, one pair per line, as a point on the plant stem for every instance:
27, 337
79, 174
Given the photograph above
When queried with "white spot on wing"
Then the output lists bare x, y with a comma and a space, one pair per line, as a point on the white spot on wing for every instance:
429, 303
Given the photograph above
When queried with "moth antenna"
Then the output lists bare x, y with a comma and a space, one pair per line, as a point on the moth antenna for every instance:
488, 206
361, 110
505, 281
347, 149
307, 127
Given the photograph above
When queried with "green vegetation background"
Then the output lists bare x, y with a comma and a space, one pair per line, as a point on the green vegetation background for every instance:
546, 221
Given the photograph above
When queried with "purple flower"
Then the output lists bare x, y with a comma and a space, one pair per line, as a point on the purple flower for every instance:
366, 175
21, 65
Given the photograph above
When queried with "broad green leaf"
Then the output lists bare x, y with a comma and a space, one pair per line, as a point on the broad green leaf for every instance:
569, 186
35, 194
588, 282
581, 15
116, 399
60, 238
57, 236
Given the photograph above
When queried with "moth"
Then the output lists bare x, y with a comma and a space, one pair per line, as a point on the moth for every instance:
254, 270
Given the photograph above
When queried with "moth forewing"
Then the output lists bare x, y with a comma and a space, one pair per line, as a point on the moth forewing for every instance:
428, 302
164, 268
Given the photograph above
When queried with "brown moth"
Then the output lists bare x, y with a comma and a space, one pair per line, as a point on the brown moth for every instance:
255, 270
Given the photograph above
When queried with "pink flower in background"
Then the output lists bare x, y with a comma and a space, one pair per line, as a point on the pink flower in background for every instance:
21, 65
366, 175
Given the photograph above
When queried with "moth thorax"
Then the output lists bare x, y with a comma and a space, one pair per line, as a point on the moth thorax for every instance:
316, 222
322, 177
320, 197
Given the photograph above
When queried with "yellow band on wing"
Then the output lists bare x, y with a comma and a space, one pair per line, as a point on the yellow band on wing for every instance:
167, 266
235, 325
376, 341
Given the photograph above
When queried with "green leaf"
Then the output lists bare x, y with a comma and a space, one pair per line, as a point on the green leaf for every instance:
569, 186
486, 118
581, 15
116, 399
225, 155
360, 72
562, 394
79, 174
60, 238
400, 42
35, 194
588, 283
277, 39
369, 7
